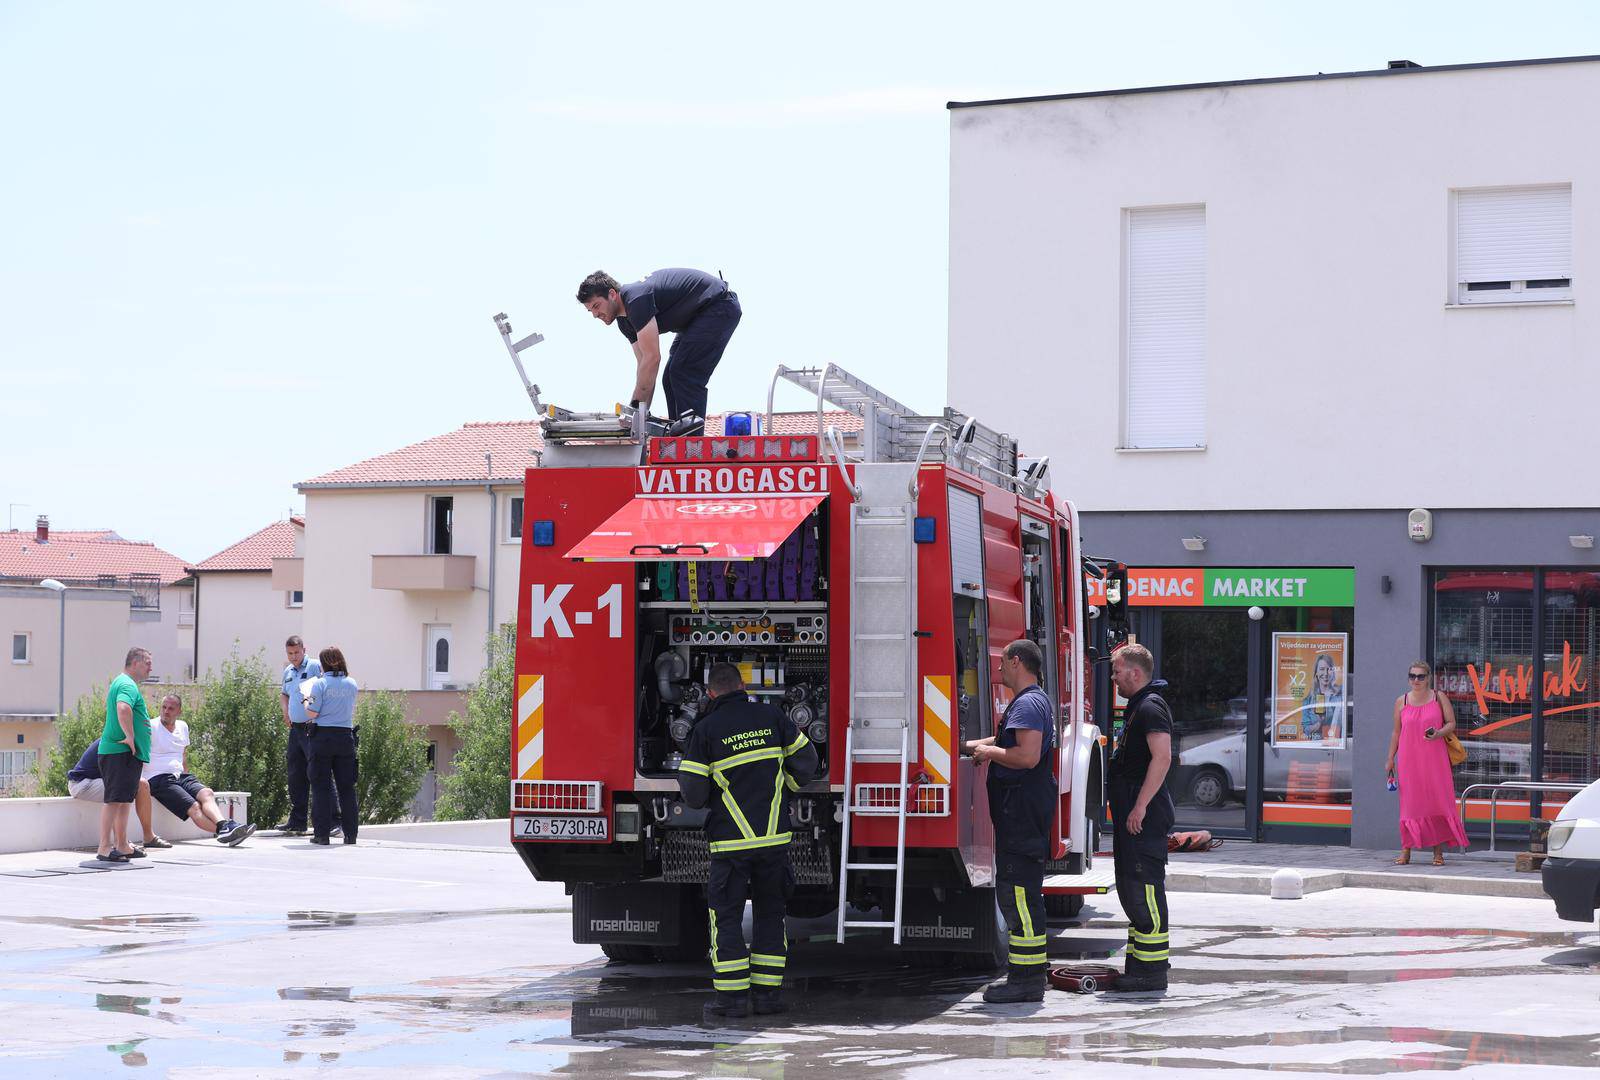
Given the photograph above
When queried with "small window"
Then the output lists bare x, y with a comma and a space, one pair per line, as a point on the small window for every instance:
1164, 329
295, 598
1513, 245
441, 656
22, 648
514, 519
441, 513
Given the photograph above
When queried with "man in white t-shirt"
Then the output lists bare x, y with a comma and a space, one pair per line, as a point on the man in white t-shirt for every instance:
175, 787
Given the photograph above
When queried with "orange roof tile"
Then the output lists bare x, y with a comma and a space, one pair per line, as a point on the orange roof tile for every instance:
83, 557
256, 551
457, 456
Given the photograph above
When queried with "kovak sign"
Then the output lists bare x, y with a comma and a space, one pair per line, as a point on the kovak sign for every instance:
677, 481
1233, 587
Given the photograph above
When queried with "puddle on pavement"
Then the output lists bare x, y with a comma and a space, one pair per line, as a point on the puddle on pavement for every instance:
855, 1011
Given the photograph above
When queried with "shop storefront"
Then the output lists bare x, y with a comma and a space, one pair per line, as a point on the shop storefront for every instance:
1260, 663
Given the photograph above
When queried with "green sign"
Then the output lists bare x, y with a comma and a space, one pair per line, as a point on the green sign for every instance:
1192, 586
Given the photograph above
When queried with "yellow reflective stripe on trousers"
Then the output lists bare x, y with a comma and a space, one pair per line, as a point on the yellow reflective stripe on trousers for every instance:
719, 847
1155, 912
768, 960
759, 979
731, 984
1027, 941
1147, 939
711, 914
1028, 959
1022, 910
1149, 957
740, 964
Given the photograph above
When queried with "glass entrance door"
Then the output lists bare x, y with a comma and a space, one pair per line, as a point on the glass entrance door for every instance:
1203, 653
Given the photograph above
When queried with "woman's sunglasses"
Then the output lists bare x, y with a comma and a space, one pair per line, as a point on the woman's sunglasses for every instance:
1416, 674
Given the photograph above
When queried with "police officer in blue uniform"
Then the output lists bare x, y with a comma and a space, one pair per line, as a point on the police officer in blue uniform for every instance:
756, 756
1142, 814
331, 708
297, 756
1022, 806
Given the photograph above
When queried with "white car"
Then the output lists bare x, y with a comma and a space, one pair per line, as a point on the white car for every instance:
1572, 872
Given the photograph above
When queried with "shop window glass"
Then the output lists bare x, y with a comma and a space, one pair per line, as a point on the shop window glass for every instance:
1571, 693
1204, 658
1313, 773
1483, 662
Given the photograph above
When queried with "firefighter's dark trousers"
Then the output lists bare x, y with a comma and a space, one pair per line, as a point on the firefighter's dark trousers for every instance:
1141, 884
696, 351
764, 878
1019, 887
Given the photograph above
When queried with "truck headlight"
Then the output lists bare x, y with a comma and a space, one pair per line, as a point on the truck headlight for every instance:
1560, 833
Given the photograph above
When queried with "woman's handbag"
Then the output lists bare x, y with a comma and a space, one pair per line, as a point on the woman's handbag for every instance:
1452, 745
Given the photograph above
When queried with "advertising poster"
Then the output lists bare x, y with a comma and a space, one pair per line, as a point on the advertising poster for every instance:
1309, 676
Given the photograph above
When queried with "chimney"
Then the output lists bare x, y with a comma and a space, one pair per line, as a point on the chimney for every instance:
41, 530
1400, 65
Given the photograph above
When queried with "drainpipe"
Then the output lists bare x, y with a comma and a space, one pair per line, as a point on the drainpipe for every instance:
494, 539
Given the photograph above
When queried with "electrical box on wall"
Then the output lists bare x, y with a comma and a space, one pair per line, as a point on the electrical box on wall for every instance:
1419, 525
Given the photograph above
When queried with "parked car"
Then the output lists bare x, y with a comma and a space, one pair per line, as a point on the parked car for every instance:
1572, 872
1210, 771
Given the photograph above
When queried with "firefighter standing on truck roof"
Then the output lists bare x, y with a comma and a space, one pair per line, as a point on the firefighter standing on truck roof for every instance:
697, 307
1142, 815
1022, 802
756, 756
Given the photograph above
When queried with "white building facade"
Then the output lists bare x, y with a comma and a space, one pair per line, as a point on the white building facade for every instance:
1255, 325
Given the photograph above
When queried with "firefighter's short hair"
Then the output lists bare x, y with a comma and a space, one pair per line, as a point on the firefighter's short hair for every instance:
1137, 655
1028, 653
596, 284
725, 679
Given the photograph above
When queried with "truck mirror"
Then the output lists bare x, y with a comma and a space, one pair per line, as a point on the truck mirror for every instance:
1117, 602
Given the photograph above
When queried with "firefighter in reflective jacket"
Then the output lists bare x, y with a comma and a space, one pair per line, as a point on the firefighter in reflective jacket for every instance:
750, 757
1022, 805
1142, 815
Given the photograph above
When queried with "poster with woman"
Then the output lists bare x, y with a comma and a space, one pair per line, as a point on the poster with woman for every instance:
1309, 675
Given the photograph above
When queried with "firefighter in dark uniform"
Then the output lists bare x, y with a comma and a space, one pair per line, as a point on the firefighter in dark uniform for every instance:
756, 756
1142, 815
1022, 803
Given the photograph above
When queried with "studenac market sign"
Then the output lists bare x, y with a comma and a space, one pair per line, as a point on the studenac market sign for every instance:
1234, 587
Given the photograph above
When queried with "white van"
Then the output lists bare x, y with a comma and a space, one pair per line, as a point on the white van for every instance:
1572, 872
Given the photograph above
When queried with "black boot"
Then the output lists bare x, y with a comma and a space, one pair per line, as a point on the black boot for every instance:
1020, 984
1139, 982
767, 1000
727, 1005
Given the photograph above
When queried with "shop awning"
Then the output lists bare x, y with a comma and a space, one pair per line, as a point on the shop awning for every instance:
683, 530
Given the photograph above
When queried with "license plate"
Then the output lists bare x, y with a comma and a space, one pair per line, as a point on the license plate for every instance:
561, 828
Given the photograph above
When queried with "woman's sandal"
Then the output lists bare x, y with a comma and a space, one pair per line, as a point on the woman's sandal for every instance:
1438, 860
1404, 859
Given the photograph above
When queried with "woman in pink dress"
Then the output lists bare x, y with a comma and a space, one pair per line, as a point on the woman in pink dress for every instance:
1428, 813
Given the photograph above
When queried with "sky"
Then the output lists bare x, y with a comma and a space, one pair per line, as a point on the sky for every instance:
245, 244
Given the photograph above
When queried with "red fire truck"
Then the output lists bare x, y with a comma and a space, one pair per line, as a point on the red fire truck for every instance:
865, 585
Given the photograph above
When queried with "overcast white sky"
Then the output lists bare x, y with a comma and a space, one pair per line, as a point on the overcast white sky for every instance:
245, 244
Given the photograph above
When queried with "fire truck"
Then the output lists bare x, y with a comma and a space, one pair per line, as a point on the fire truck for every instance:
865, 583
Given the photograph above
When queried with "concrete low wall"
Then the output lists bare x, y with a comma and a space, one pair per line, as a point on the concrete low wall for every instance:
487, 833
64, 824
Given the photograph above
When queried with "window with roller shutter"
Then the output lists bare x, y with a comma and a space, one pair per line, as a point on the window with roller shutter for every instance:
1513, 245
1164, 388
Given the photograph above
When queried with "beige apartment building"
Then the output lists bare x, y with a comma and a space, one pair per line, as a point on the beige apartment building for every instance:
97, 594
243, 608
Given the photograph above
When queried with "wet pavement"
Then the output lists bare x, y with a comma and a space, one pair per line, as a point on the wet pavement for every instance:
279, 959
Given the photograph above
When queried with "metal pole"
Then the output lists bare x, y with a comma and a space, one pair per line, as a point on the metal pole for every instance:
61, 678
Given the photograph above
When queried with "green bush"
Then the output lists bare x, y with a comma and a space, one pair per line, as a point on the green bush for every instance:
237, 737
480, 786
74, 732
392, 758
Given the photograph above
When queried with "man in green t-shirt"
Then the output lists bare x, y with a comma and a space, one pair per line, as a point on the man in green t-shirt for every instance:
124, 749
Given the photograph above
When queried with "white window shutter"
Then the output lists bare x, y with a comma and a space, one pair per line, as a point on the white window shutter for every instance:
1514, 234
1166, 332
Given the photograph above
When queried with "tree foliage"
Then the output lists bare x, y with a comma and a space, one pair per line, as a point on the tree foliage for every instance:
392, 758
480, 786
237, 737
